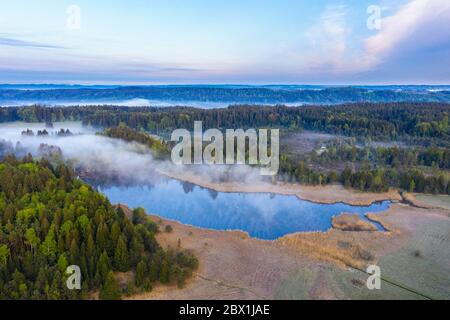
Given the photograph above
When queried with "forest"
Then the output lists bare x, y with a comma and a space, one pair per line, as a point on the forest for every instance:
421, 164
366, 169
227, 94
369, 167
419, 123
51, 220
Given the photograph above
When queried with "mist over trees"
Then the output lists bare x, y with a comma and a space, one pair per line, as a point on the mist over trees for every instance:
425, 123
160, 149
421, 166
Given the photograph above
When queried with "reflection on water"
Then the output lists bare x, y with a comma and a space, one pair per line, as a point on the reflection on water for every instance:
264, 216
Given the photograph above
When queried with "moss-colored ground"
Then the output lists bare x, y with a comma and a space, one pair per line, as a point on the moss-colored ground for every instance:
423, 265
337, 284
440, 201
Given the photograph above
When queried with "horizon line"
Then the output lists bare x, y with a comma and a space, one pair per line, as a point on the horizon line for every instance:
224, 84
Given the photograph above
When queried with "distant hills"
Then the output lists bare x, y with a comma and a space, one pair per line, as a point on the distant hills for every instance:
231, 94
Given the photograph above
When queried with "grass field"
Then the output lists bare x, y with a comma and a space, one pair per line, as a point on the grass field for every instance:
440, 201
414, 257
329, 282
423, 265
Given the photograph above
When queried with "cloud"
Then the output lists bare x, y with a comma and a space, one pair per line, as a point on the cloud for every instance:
411, 46
52, 66
328, 39
12, 42
330, 34
420, 26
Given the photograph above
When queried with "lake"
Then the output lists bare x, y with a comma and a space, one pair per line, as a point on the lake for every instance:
264, 216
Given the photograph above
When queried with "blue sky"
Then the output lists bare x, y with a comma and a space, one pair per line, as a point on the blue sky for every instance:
212, 41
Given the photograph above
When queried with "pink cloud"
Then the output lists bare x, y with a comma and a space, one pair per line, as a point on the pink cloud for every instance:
418, 25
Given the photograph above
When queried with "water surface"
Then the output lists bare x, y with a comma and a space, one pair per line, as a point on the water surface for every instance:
262, 215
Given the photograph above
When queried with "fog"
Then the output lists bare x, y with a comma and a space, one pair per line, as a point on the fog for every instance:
136, 102
100, 155
139, 102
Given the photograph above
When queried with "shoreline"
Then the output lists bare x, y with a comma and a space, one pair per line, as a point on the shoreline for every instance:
244, 235
329, 194
302, 265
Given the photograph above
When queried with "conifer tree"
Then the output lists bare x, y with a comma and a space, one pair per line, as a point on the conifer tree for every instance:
121, 257
111, 289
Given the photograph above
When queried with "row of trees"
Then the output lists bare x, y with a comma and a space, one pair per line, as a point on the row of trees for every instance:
158, 147
399, 157
230, 94
40, 133
424, 121
422, 168
374, 169
366, 178
50, 220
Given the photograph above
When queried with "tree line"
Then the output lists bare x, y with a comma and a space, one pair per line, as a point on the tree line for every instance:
229, 94
425, 122
422, 168
159, 148
366, 178
393, 156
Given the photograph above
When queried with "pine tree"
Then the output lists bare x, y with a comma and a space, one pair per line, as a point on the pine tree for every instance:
121, 258
115, 232
74, 252
32, 239
4, 255
103, 266
164, 275
90, 246
102, 236
141, 272
62, 263
111, 289
49, 246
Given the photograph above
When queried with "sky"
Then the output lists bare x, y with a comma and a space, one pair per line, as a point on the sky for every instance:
225, 42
